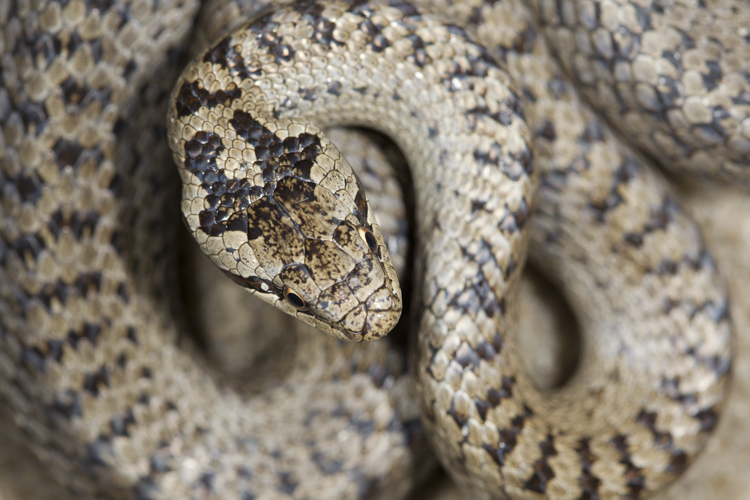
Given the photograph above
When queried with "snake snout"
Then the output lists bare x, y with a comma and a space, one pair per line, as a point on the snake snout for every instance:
330, 256
364, 304
382, 311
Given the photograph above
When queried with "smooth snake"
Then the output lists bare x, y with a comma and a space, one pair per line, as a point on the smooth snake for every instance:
89, 361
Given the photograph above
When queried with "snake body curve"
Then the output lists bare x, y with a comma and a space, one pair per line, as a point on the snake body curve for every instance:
673, 78
92, 363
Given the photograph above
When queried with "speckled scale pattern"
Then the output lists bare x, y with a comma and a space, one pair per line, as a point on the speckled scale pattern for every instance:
116, 408
90, 366
653, 314
673, 76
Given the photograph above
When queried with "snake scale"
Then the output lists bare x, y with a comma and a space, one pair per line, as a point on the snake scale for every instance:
504, 157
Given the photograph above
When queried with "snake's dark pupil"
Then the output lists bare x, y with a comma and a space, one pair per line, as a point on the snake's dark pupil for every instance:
295, 300
370, 239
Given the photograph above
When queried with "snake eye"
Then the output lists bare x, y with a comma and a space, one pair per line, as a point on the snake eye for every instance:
294, 300
369, 238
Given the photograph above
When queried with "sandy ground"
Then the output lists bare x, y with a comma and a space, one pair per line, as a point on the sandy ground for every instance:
720, 472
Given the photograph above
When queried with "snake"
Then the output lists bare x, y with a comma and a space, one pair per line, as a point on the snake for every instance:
507, 163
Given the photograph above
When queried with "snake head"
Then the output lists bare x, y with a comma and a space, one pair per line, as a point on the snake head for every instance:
288, 220
330, 264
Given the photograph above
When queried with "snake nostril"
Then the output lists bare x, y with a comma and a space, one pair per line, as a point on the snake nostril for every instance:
369, 238
294, 299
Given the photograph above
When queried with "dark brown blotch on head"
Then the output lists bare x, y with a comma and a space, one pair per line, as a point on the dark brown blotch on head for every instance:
200, 158
272, 236
312, 207
253, 132
237, 222
327, 262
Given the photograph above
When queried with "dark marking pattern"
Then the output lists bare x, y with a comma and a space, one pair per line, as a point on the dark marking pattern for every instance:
588, 481
543, 473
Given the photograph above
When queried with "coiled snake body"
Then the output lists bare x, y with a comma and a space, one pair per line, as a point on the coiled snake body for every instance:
89, 361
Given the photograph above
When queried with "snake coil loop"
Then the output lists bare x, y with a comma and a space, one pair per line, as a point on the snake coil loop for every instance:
504, 157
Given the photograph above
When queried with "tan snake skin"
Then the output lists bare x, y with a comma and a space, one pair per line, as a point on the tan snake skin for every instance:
89, 362
673, 79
